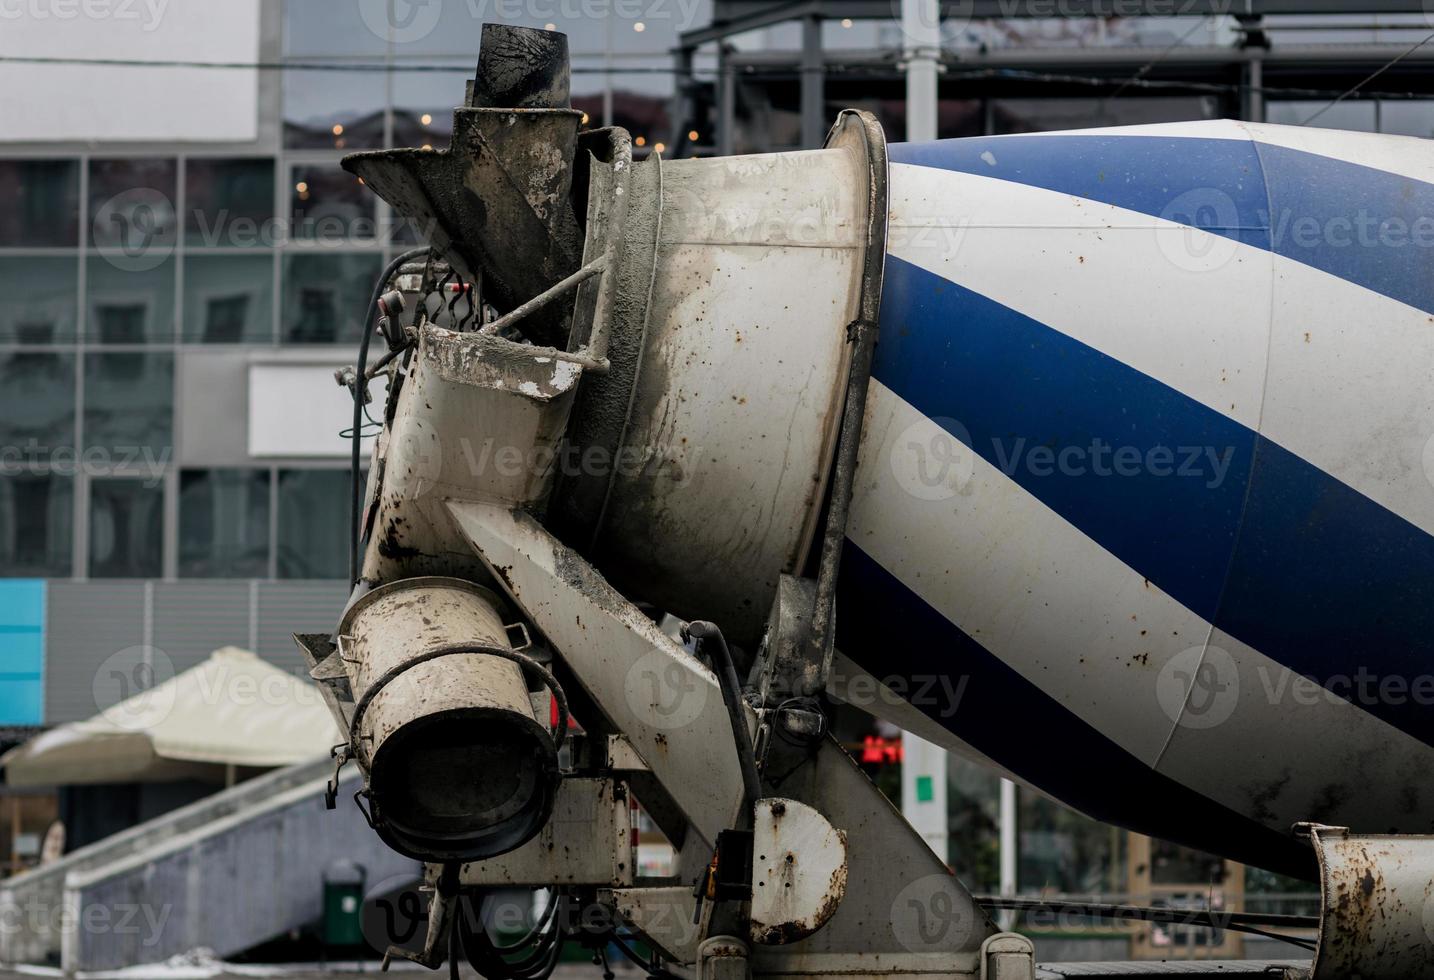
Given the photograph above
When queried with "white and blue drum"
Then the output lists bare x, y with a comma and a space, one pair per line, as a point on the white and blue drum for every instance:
1147, 467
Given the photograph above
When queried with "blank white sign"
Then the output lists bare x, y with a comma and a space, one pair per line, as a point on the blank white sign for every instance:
57, 102
299, 410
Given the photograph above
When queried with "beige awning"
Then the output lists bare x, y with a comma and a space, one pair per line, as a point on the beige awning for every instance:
234, 709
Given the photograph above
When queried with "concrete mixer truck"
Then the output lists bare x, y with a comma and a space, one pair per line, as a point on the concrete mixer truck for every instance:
1128, 429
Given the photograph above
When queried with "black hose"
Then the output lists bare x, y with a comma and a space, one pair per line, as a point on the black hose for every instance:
702, 631
651, 969
1247, 922
487, 961
360, 386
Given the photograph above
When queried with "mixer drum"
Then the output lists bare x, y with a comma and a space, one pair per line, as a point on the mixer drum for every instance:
1145, 491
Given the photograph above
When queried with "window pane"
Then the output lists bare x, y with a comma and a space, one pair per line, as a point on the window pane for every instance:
230, 202
313, 524
1414, 117
324, 294
224, 523
337, 26
127, 305
132, 212
972, 805
1065, 852
39, 202
129, 404
1039, 115
639, 105
1358, 116
35, 522
37, 404
40, 299
228, 299
328, 204
333, 110
126, 528
423, 106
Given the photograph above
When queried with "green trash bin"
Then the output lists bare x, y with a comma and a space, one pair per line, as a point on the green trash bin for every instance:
343, 904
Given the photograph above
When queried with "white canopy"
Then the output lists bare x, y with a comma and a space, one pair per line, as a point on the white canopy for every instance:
234, 709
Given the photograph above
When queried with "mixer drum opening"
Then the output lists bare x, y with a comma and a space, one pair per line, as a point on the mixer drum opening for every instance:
463, 782
459, 765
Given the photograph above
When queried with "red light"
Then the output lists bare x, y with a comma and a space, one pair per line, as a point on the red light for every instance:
879, 751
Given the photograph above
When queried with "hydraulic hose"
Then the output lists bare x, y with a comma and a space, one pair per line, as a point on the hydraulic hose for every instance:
360, 387
702, 631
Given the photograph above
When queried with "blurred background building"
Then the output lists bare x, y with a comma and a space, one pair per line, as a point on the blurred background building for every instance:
182, 258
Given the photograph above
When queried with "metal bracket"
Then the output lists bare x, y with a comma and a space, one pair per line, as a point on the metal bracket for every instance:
340, 754
522, 629
858, 130
1375, 909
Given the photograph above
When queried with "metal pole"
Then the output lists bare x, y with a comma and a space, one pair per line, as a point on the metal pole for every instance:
681, 83
921, 51
814, 123
1254, 98
726, 102
1007, 824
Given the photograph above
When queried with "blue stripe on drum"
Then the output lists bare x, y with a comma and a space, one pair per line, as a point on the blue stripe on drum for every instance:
1213, 184
1265, 545
1042, 742
1367, 226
